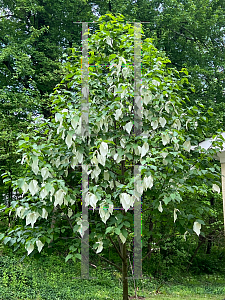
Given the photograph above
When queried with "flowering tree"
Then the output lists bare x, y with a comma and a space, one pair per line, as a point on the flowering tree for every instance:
122, 166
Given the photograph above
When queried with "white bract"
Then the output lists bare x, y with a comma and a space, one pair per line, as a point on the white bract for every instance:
128, 127
79, 157
111, 184
95, 173
154, 124
123, 239
60, 126
122, 143
94, 159
83, 226
160, 206
44, 213
34, 166
216, 188
69, 140
162, 121
74, 123
91, 199
147, 182
139, 186
52, 193
197, 227
57, 162
165, 138
100, 246
40, 245
175, 214
164, 154
43, 193
147, 98
59, 196
104, 211
45, 173
29, 248
126, 200
177, 124
24, 158
70, 212
118, 114
155, 82
101, 159
186, 232
104, 149
20, 211
65, 201
144, 149
187, 146
117, 158
33, 187
24, 187
31, 218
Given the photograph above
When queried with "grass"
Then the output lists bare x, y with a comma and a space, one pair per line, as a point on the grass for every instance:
50, 277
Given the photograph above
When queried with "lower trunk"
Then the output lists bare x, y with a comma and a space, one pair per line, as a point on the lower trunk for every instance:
124, 272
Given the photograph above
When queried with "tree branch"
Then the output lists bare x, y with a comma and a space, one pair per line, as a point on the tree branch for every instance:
103, 258
118, 251
6, 16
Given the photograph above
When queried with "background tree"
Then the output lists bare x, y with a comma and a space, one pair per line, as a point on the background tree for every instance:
34, 36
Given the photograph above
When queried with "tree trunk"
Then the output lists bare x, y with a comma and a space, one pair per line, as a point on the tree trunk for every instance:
124, 272
201, 241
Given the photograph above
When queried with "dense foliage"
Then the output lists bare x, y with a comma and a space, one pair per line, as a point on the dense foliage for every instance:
33, 51
112, 150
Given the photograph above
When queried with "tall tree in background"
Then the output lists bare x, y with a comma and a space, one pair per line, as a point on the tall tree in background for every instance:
33, 37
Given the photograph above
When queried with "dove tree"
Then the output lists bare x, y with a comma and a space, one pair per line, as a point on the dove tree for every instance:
121, 165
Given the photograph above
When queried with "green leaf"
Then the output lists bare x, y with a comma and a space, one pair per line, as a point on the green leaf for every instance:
6, 239
75, 228
200, 221
109, 229
166, 200
124, 232
117, 231
126, 223
69, 256
78, 255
